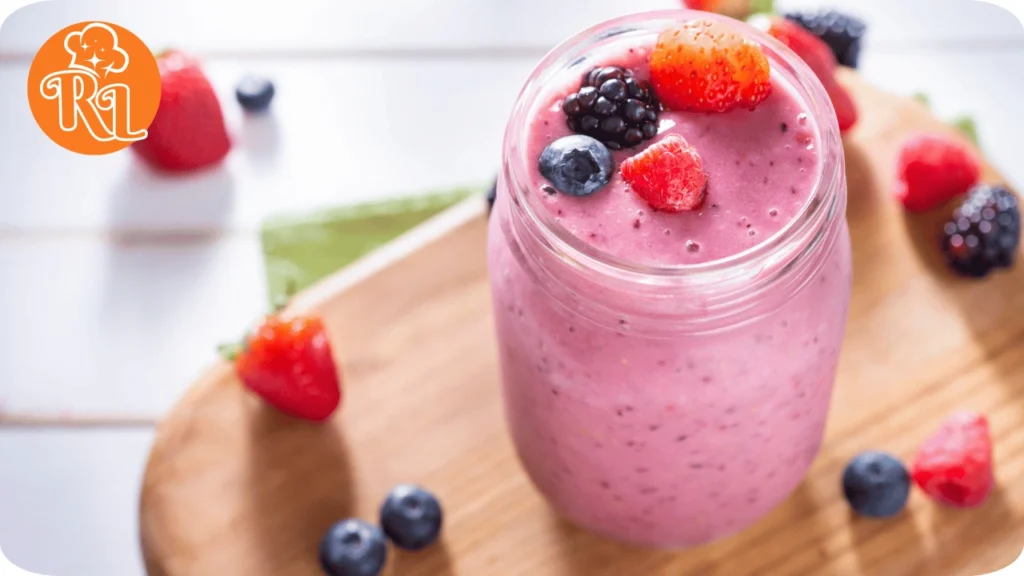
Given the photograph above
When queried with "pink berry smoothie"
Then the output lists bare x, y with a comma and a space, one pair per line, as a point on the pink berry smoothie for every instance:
672, 437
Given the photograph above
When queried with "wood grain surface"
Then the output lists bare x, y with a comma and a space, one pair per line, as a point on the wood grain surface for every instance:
232, 487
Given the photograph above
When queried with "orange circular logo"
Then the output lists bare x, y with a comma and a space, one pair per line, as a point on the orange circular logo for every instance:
94, 88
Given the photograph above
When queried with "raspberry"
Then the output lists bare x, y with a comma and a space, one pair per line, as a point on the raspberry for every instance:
842, 33
706, 66
818, 57
954, 465
932, 170
668, 175
984, 232
613, 107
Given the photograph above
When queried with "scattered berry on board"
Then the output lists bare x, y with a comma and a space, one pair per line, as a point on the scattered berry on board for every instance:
668, 175
984, 232
287, 361
254, 93
841, 32
613, 107
353, 547
411, 517
876, 484
707, 66
933, 169
577, 165
954, 465
819, 58
188, 131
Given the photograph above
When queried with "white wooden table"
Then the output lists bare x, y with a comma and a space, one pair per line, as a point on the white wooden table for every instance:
116, 285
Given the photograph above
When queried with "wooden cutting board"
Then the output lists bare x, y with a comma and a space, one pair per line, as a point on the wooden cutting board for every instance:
232, 487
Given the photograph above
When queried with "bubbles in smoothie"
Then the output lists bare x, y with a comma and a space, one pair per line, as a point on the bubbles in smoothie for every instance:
692, 247
668, 232
752, 232
802, 119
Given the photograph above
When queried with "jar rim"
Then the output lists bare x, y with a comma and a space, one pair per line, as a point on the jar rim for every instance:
820, 206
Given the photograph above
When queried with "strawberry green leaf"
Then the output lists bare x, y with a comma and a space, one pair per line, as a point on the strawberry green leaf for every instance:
967, 127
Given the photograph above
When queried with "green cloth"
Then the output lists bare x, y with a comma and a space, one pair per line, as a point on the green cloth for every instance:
300, 249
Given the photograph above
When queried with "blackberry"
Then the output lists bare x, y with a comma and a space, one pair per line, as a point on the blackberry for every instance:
613, 107
842, 32
984, 232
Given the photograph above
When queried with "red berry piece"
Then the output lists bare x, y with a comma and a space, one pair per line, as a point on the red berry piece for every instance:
954, 465
933, 169
707, 66
669, 175
287, 361
188, 131
819, 58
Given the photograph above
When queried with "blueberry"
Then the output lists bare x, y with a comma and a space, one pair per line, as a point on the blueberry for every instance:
577, 165
876, 484
411, 517
254, 93
353, 548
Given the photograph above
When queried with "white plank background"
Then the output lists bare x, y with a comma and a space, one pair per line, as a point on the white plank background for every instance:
117, 284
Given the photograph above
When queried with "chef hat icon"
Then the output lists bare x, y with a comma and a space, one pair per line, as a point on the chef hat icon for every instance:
95, 49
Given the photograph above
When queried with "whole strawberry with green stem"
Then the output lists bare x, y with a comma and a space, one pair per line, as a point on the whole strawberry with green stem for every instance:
188, 131
287, 361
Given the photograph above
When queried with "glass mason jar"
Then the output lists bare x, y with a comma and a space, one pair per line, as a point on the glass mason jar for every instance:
667, 406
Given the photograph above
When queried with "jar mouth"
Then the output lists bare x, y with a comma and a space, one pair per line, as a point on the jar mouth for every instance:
824, 201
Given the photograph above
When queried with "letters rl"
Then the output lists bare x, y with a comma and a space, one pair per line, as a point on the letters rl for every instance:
105, 111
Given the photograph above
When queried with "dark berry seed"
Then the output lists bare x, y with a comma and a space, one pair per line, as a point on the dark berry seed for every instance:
589, 123
614, 90
604, 106
587, 97
635, 111
609, 73
613, 125
571, 105
650, 130
632, 137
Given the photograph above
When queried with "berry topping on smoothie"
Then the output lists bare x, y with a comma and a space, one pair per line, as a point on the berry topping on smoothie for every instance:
614, 107
819, 58
707, 66
577, 165
669, 175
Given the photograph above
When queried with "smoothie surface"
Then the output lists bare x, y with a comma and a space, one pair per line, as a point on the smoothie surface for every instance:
762, 168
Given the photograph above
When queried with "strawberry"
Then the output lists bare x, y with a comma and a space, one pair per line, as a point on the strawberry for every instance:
819, 59
707, 66
188, 131
954, 465
287, 361
933, 169
668, 175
